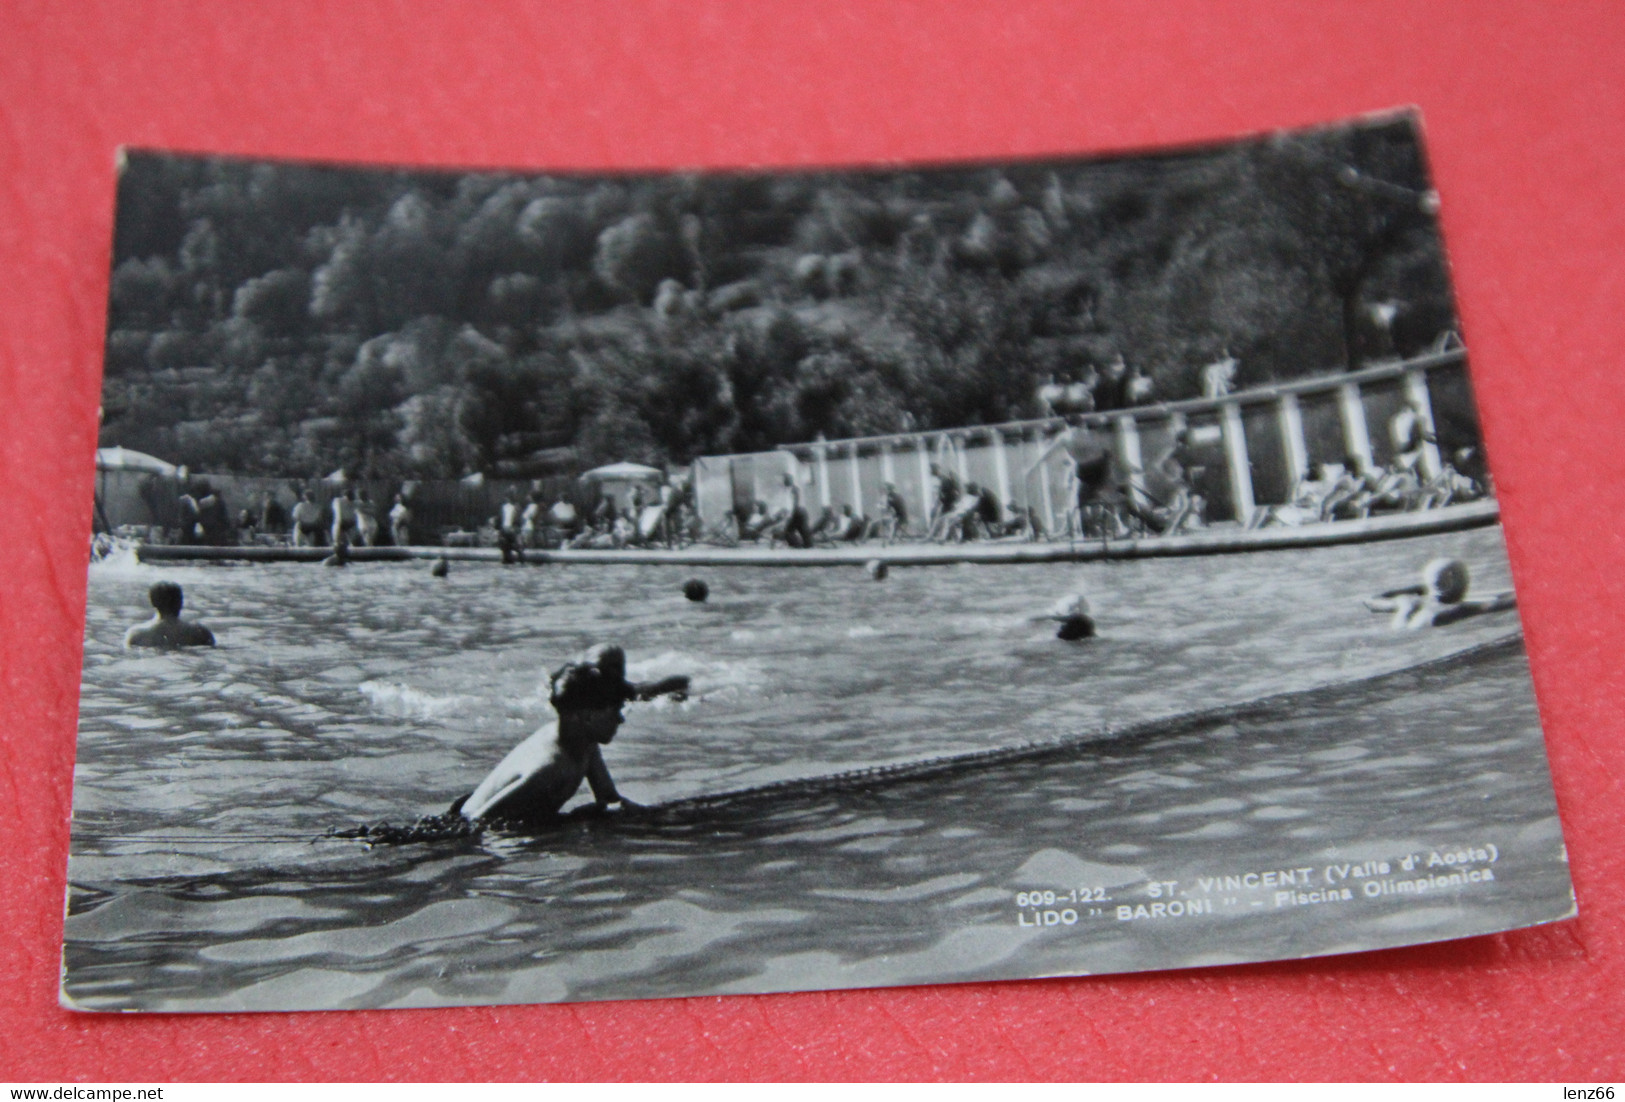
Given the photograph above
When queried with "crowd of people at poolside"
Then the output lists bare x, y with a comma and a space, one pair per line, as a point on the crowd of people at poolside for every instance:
1102, 499
1167, 498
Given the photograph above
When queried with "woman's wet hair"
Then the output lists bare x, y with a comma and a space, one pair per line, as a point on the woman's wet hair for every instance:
596, 682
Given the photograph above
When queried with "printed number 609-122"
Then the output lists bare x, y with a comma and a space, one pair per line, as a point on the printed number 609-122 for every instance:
1049, 898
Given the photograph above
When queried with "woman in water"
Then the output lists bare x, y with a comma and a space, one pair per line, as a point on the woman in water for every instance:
541, 774
1440, 599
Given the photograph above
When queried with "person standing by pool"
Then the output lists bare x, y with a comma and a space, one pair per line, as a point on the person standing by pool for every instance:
344, 519
366, 520
508, 515
541, 774
1091, 470
946, 498
793, 528
564, 520
893, 515
214, 525
528, 521
400, 522
273, 518
307, 521
1409, 434
166, 629
1181, 468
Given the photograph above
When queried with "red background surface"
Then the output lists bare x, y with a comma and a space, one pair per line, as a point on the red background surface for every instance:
1524, 110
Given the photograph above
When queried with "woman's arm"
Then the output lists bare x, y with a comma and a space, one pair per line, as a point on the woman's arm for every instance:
602, 784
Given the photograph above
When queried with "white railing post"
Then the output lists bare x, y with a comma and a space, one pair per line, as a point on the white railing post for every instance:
1235, 453
1044, 488
1355, 434
822, 454
925, 482
1128, 447
1001, 470
1295, 448
857, 483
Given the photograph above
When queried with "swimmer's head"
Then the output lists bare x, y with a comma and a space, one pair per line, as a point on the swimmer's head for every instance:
166, 598
1446, 580
588, 693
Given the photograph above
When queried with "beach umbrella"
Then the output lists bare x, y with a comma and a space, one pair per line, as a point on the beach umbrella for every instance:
123, 459
624, 472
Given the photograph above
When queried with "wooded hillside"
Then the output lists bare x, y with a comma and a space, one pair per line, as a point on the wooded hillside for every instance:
293, 319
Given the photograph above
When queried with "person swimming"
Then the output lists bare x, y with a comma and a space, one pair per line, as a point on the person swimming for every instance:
340, 555
1440, 599
541, 774
166, 629
1072, 613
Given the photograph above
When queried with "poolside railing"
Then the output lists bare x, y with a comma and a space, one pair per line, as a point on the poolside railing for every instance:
1252, 448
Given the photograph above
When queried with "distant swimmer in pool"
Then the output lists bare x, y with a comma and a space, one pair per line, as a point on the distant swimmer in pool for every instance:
539, 776
340, 555
1440, 599
1072, 613
167, 629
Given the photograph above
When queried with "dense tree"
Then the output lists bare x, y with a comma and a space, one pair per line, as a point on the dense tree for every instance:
295, 319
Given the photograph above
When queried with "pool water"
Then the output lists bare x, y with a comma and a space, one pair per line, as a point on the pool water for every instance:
205, 779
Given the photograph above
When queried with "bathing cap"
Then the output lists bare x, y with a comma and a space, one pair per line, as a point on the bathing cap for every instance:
1446, 580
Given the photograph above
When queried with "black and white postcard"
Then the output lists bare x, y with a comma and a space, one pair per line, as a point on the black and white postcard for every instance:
526, 587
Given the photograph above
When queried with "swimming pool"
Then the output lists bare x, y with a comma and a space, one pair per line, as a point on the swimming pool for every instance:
339, 696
